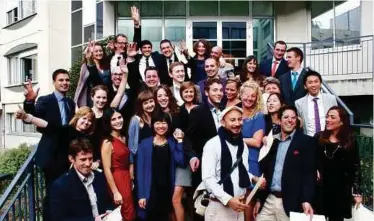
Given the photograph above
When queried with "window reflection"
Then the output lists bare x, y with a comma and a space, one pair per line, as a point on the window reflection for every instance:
175, 30
206, 30
263, 32
152, 31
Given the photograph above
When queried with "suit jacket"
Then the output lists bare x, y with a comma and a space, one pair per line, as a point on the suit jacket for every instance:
267, 65
137, 38
69, 199
201, 85
47, 109
298, 175
164, 71
301, 104
289, 95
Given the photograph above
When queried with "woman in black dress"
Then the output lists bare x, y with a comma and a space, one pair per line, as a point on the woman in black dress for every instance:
338, 167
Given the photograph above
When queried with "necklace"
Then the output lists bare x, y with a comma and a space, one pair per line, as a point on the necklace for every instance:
333, 153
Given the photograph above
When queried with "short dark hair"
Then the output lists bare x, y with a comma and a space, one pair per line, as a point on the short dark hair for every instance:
280, 42
165, 41
57, 72
210, 81
298, 52
78, 145
150, 68
160, 116
145, 42
309, 72
287, 107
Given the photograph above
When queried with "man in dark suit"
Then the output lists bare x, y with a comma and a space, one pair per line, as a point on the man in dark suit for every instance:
292, 87
56, 109
290, 171
277, 65
81, 194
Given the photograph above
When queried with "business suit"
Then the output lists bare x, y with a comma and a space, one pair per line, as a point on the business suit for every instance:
291, 95
70, 200
267, 65
301, 104
201, 85
298, 173
163, 72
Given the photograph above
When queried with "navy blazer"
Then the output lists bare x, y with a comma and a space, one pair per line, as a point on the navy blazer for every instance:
144, 167
298, 175
47, 109
69, 199
164, 71
290, 95
266, 66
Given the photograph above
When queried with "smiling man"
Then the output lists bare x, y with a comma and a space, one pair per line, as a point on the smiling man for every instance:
313, 107
277, 65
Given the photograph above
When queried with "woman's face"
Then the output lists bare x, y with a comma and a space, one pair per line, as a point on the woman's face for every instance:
188, 95
84, 123
251, 66
231, 91
99, 99
98, 52
201, 49
333, 121
273, 104
160, 127
116, 121
249, 98
149, 105
162, 98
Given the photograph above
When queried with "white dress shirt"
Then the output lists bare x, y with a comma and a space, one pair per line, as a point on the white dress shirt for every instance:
211, 169
311, 123
176, 92
114, 61
172, 60
216, 114
143, 65
87, 182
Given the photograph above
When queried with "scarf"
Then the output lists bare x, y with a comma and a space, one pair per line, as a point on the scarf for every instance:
226, 160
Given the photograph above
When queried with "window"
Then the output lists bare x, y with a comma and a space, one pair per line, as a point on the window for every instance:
152, 31
76, 4
89, 33
263, 32
99, 20
12, 16
24, 9
175, 29
17, 126
203, 8
21, 68
76, 28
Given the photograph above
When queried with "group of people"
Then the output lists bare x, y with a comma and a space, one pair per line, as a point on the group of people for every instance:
145, 129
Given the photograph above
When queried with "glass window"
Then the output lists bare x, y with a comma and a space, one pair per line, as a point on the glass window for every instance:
151, 8
76, 4
28, 128
204, 8
99, 20
234, 8
234, 30
76, 54
263, 32
175, 8
123, 8
29, 68
89, 33
234, 48
127, 27
322, 21
262, 8
206, 30
348, 22
175, 29
12, 16
76, 25
27, 8
152, 31
14, 75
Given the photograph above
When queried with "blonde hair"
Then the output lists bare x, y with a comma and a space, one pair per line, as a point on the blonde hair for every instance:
81, 112
254, 86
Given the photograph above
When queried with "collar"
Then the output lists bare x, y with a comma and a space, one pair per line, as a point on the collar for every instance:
298, 71
289, 137
212, 107
85, 180
172, 57
276, 60
114, 88
58, 95
176, 86
319, 96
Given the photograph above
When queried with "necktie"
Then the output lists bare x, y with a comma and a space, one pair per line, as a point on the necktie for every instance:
294, 79
118, 59
274, 68
170, 61
316, 115
65, 111
146, 62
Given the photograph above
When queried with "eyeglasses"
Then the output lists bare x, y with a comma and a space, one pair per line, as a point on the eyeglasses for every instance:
123, 43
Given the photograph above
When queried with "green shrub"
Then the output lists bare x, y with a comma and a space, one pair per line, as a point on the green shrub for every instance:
12, 159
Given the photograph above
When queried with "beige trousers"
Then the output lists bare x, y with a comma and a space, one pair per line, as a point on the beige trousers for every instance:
218, 212
272, 210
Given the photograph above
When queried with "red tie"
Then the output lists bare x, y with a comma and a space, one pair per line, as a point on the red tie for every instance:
274, 68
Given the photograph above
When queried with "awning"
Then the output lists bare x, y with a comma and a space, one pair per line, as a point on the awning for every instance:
20, 48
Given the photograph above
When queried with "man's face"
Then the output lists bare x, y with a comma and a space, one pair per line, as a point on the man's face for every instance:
288, 121
216, 53
178, 73
272, 88
292, 59
117, 77
211, 67
120, 44
62, 83
82, 162
215, 93
279, 51
166, 49
233, 122
146, 50
152, 79
313, 85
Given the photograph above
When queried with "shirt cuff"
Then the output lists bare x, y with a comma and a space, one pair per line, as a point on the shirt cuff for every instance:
225, 199
193, 158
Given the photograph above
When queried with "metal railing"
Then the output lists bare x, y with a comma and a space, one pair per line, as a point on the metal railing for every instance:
22, 200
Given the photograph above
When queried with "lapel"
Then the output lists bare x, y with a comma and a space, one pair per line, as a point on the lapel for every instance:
299, 82
270, 65
289, 82
280, 67
290, 152
78, 184
326, 102
304, 106
209, 119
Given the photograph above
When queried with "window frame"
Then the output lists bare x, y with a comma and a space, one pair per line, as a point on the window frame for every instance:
17, 127
18, 75
19, 11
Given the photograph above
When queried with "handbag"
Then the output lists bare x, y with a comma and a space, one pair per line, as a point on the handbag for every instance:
201, 196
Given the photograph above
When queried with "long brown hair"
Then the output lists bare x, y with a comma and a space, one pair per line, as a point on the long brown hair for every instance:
173, 106
344, 135
104, 62
207, 46
255, 76
142, 97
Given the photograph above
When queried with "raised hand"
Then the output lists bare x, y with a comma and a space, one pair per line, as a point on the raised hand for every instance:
29, 93
110, 45
21, 114
183, 47
135, 15
89, 50
123, 66
131, 49
178, 135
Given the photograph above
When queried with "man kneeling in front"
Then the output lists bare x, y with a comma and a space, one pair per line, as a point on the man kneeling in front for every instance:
81, 194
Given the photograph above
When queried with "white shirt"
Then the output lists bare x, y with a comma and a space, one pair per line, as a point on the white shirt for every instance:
211, 169
216, 114
143, 65
172, 58
114, 61
87, 182
311, 123
176, 92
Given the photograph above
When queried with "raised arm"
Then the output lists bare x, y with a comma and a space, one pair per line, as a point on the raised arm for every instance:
137, 29
121, 90
29, 118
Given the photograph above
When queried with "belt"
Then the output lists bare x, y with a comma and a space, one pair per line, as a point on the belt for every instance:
277, 194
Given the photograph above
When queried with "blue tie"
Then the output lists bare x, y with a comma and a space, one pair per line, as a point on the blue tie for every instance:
294, 79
